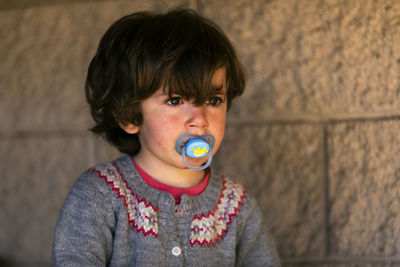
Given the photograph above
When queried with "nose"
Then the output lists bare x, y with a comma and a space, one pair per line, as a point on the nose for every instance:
196, 118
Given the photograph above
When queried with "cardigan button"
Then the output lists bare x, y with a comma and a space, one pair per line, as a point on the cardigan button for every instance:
176, 251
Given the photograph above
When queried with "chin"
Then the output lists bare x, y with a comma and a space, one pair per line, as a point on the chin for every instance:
196, 163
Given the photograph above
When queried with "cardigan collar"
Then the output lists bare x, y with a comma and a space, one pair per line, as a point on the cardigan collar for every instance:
202, 203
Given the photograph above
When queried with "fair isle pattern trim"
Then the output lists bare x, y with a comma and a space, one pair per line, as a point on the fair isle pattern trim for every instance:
141, 214
209, 229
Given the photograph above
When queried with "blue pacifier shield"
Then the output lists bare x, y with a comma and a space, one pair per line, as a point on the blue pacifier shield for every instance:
195, 146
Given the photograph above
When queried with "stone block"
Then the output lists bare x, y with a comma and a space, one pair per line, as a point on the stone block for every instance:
37, 175
45, 52
314, 58
364, 189
282, 165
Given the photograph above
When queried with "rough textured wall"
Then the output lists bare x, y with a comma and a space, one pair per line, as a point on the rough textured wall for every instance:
315, 136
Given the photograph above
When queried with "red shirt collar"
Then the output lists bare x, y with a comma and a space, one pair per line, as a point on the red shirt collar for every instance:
176, 192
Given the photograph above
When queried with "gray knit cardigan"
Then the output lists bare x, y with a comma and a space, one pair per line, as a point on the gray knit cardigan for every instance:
113, 218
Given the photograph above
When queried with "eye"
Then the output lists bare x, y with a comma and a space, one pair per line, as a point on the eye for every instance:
215, 101
174, 101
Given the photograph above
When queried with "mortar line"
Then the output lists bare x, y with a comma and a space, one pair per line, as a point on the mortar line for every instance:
305, 120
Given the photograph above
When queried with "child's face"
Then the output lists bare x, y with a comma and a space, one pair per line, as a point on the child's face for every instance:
166, 118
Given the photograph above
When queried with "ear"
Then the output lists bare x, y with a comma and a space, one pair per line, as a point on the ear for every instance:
129, 128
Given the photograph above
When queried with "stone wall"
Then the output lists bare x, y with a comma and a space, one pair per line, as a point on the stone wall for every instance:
315, 137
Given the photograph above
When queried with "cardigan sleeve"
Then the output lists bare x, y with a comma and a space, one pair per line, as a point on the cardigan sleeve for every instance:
84, 231
255, 245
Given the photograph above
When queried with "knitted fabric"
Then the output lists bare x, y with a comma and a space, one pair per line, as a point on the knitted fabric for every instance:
174, 191
112, 217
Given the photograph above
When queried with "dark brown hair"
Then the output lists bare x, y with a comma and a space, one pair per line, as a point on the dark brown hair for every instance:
142, 52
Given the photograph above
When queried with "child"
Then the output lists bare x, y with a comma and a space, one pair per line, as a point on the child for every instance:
159, 88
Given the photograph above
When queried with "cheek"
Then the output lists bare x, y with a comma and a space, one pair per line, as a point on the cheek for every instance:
219, 138
219, 131
164, 130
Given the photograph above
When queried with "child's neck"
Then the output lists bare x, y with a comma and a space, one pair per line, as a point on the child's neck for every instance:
166, 174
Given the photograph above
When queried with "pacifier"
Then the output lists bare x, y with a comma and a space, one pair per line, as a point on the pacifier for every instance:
195, 146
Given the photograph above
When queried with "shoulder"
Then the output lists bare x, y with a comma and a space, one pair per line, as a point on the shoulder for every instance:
100, 179
92, 196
